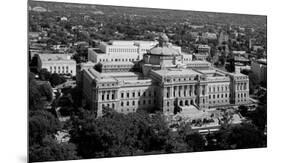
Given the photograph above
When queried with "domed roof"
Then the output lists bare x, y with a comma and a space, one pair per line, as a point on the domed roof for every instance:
166, 50
164, 47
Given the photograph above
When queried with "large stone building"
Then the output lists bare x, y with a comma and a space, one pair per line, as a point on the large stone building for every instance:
56, 63
119, 51
164, 82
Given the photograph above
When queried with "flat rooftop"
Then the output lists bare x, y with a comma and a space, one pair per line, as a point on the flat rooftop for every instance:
98, 51
126, 77
176, 72
54, 57
117, 63
130, 42
211, 73
120, 74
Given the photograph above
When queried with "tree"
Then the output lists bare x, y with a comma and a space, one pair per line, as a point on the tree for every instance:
240, 136
51, 150
259, 117
56, 79
116, 134
35, 102
245, 136
195, 141
253, 81
243, 110
41, 123
191, 138
46, 91
44, 74
176, 144
37, 91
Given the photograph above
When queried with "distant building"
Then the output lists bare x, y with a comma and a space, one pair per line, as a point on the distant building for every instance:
200, 56
165, 83
186, 57
240, 66
259, 68
209, 36
223, 37
194, 35
63, 18
39, 9
56, 63
257, 47
203, 52
196, 26
204, 49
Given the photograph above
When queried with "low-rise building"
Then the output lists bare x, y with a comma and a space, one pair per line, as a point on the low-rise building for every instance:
56, 63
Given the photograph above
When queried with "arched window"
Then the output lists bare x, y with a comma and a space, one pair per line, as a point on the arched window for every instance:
181, 104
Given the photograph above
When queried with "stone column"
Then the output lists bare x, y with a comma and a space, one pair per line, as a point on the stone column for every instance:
175, 91
116, 94
185, 91
165, 92
192, 90
99, 95
180, 91
171, 92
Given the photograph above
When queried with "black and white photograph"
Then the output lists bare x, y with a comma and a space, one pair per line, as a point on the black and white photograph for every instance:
113, 81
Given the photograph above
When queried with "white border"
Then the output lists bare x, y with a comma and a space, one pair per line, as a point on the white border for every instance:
13, 85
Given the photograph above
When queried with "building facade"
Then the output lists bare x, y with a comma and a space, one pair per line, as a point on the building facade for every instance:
56, 63
119, 51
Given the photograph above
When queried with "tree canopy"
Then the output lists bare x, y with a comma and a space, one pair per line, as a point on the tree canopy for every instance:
51, 150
